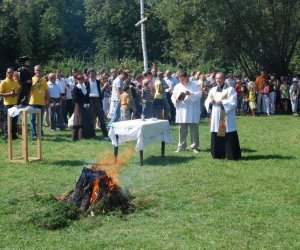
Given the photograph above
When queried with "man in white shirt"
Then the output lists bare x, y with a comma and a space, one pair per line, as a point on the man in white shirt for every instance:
117, 90
61, 82
171, 82
186, 99
221, 102
96, 97
70, 84
54, 93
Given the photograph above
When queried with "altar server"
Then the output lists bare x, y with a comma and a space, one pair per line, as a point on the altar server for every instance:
221, 103
186, 99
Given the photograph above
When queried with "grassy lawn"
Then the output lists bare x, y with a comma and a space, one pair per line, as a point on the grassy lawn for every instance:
189, 201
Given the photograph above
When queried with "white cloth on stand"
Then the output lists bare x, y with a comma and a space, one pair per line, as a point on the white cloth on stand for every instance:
15, 111
144, 132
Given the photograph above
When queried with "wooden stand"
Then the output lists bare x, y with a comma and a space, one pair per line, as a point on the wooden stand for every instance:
25, 158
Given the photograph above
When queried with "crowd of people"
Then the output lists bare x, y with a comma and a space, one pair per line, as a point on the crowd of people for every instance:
89, 99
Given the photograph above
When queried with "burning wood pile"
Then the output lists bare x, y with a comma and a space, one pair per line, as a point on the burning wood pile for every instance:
97, 191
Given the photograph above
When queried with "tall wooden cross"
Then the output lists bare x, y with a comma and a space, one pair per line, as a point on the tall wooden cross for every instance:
143, 34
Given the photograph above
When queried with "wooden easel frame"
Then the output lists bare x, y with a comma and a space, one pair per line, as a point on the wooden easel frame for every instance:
25, 158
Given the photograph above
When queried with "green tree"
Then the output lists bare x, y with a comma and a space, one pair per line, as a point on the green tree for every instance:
251, 34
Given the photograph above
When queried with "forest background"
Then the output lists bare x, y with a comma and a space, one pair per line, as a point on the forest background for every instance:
230, 35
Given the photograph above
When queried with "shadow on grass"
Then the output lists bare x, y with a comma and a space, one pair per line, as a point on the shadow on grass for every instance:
65, 163
57, 137
267, 157
172, 160
248, 150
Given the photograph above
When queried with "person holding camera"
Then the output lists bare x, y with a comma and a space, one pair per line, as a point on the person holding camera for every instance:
9, 89
186, 98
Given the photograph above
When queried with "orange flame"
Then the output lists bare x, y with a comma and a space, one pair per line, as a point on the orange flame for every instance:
109, 164
112, 168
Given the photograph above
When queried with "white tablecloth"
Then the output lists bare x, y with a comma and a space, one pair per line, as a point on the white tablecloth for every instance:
15, 110
144, 132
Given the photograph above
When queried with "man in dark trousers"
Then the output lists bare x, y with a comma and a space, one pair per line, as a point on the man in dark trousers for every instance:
96, 97
25, 82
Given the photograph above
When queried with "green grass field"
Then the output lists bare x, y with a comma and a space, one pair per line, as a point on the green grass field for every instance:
188, 201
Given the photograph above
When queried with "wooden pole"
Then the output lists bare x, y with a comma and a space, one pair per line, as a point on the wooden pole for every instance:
24, 137
143, 36
9, 137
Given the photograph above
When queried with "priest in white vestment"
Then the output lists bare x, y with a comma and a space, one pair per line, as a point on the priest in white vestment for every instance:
186, 99
221, 103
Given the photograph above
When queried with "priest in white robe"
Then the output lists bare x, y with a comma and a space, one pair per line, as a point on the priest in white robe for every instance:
221, 103
186, 99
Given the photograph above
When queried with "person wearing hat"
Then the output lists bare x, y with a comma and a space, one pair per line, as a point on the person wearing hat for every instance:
294, 92
25, 80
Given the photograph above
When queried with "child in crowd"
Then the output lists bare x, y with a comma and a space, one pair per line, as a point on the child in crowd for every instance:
252, 97
126, 103
237, 88
266, 98
244, 104
284, 93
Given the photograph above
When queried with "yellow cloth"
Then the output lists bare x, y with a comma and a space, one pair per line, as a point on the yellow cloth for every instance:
252, 97
7, 86
126, 100
158, 90
38, 92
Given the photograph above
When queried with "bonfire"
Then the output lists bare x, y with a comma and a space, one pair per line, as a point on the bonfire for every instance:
97, 189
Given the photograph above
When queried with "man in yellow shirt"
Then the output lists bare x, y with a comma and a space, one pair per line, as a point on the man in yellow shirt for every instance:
38, 97
9, 89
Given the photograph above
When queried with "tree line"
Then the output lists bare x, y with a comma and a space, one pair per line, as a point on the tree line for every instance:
243, 35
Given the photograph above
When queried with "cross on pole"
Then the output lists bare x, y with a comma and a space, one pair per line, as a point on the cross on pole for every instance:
143, 34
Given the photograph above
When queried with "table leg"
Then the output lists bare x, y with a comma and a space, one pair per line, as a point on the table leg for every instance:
9, 137
141, 157
116, 149
163, 146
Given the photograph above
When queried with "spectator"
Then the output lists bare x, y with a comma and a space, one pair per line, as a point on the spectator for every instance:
38, 98
266, 98
54, 93
158, 104
117, 90
61, 82
106, 93
83, 126
9, 90
284, 93
171, 83
259, 82
251, 97
147, 100
126, 104
96, 96
294, 92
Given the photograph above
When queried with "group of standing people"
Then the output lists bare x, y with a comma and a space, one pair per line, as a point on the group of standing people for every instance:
220, 103
119, 96
78, 97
